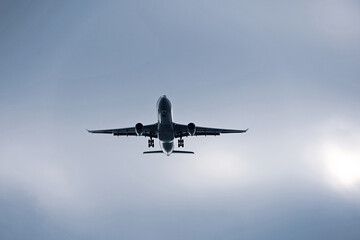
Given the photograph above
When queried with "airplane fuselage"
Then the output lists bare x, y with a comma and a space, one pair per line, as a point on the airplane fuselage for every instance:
165, 125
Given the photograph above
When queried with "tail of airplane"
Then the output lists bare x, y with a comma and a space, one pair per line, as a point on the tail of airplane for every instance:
175, 151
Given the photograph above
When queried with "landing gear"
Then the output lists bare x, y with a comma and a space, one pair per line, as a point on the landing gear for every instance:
151, 142
181, 142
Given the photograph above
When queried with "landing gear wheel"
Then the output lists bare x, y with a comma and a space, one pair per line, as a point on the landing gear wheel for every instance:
151, 142
181, 142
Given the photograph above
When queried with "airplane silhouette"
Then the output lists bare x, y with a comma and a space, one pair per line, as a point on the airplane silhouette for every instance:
166, 130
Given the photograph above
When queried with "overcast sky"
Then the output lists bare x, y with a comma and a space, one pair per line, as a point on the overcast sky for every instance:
288, 70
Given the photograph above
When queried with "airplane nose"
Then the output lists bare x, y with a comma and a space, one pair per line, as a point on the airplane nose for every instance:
161, 101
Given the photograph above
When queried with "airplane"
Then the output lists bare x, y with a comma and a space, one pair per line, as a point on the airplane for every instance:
166, 130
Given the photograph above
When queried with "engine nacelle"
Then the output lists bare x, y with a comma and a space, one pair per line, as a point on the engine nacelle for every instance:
139, 129
191, 129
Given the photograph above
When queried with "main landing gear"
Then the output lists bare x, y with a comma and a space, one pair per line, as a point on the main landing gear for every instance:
181, 142
151, 142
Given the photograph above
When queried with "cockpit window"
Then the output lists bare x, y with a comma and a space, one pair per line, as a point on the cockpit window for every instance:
163, 111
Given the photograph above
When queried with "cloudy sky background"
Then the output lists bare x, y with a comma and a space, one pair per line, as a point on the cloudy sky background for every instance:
287, 70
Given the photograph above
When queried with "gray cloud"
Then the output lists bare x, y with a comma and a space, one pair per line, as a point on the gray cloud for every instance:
288, 71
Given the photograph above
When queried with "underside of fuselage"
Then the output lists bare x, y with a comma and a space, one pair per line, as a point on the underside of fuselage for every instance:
165, 125
167, 147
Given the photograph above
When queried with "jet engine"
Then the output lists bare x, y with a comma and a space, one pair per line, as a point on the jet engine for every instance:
139, 129
191, 129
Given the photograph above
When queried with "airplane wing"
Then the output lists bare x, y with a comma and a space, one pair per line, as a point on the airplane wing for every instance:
182, 131
148, 131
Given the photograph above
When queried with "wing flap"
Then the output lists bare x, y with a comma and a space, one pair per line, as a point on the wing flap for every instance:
148, 131
116, 131
204, 131
182, 131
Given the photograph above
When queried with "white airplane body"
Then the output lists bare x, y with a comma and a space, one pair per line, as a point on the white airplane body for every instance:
166, 130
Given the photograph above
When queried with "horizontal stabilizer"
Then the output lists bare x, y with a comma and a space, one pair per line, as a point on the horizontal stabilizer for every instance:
153, 152
176, 151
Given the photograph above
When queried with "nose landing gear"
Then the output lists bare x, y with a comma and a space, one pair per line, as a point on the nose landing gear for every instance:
181, 142
151, 143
